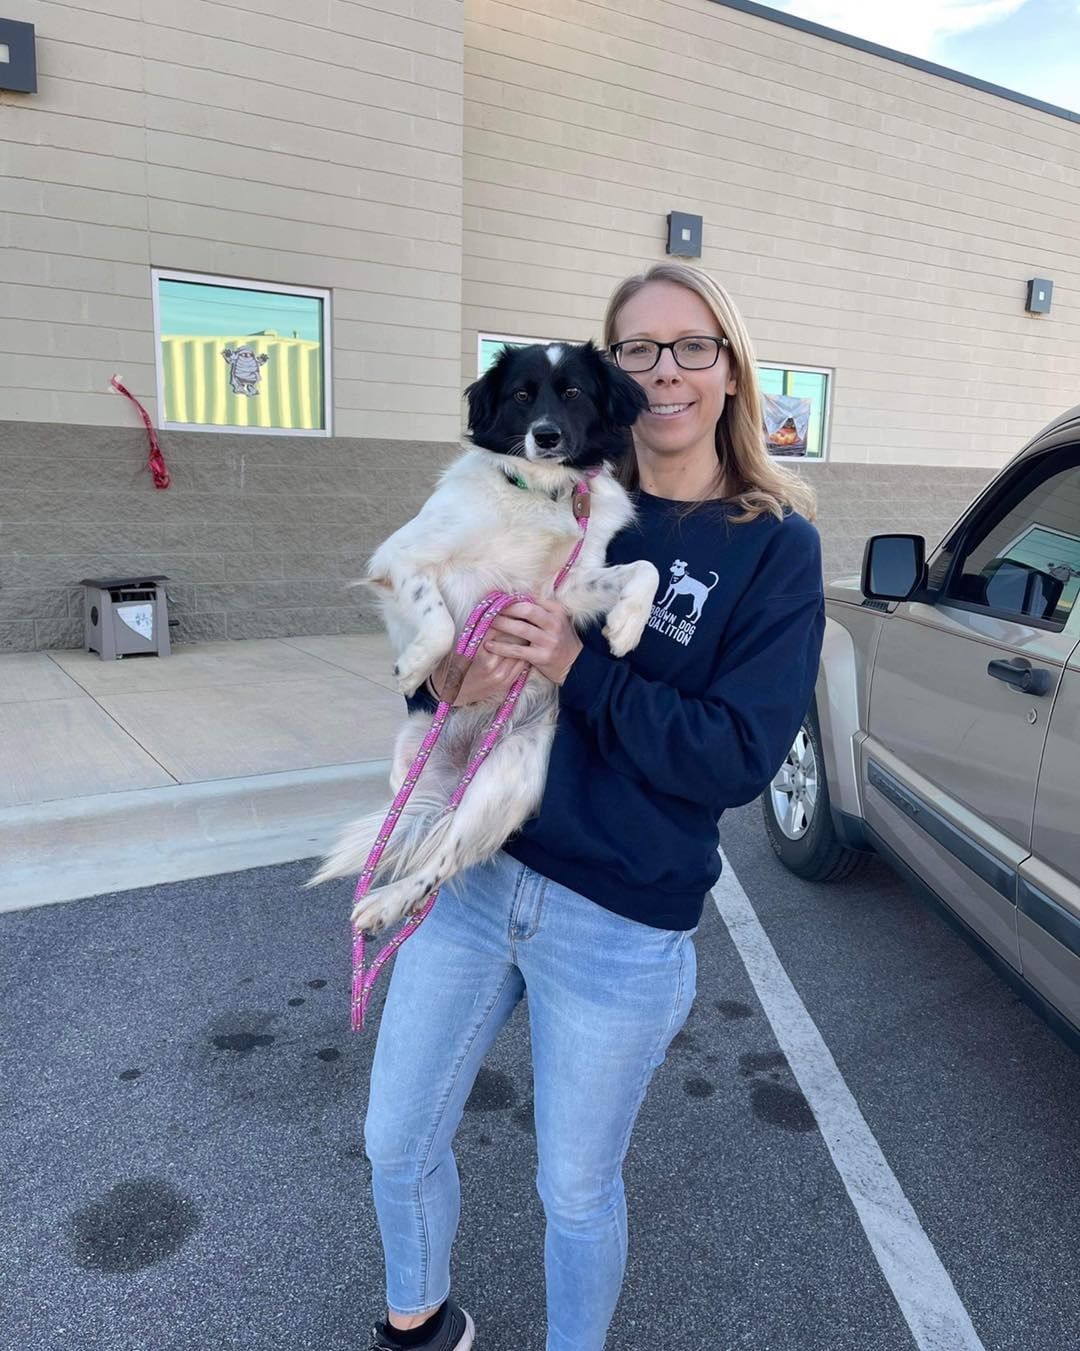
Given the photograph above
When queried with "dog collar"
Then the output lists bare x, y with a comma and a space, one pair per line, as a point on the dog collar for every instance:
512, 476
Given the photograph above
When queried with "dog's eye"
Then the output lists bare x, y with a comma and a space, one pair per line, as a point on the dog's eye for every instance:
521, 396
571, 393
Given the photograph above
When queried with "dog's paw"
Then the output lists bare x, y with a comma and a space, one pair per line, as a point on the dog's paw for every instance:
384, 907
412, 668
625, 625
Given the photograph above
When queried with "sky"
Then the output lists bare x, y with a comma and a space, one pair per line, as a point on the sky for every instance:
229, 312
1030, 46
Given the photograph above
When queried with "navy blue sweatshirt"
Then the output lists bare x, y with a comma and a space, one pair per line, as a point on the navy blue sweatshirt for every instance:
651, 748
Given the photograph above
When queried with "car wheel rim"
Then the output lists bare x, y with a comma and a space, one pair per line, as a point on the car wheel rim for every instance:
794, 790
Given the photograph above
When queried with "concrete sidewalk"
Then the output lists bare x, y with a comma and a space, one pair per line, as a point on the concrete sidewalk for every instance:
222, 756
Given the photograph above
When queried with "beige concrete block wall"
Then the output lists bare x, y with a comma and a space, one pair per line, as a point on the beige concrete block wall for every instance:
868, 217
249, 140
253, 545
313, 146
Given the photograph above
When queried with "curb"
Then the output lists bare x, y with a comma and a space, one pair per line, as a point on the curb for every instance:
79, 847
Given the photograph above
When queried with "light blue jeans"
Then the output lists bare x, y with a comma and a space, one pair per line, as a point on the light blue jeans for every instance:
606, 996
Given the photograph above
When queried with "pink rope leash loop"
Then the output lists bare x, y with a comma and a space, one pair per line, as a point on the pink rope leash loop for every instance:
468, 644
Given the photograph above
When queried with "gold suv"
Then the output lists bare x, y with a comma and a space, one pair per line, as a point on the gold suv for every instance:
944, 733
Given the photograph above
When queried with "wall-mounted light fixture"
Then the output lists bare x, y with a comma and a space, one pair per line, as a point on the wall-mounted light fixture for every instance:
1039, 294
684, 235
18, 61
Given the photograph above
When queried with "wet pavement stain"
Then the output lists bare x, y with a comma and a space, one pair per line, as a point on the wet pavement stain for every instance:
732, 1009
784, 1107
492, 1092
135, 1225
524, 1118
130, 1074
295, 1003
316, 984
754, 1062
695, 1087
329, 1053
241, 1043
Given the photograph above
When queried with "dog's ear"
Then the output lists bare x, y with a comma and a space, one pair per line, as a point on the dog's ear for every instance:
483, 395
621, 397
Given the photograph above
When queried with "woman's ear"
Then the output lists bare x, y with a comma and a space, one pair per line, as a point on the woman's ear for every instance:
623, 398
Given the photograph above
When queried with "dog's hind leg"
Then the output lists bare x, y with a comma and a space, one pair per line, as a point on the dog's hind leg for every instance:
350, 851
504, 794
406, 747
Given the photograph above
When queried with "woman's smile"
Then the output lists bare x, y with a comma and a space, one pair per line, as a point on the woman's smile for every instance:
669, 410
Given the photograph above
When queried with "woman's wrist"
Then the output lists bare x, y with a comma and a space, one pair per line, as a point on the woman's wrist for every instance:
560, 677
432, 688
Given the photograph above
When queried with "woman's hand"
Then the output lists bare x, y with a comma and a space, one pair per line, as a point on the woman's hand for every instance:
487, 679
551, 645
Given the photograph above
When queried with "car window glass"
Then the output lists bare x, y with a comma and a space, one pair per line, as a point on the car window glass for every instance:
1024, 557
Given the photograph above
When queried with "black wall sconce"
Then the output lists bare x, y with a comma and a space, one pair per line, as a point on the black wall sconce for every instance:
1039, 295
684, 235
18, 59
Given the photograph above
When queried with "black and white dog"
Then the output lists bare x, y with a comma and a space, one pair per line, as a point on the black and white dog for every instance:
499, 520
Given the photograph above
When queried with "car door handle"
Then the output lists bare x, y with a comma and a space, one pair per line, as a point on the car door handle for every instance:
1021, 675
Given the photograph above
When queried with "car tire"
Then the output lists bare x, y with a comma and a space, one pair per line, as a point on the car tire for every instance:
798, 817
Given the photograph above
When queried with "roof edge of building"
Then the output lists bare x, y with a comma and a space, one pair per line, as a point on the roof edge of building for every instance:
889, 54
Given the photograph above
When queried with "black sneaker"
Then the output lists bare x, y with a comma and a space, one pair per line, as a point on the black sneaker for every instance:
456, 1334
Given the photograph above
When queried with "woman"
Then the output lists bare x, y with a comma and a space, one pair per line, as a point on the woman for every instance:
592, 907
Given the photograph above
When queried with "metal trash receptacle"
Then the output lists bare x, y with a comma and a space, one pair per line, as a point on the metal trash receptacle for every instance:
125, 617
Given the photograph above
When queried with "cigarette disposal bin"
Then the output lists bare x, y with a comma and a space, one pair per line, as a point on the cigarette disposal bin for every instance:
125, 616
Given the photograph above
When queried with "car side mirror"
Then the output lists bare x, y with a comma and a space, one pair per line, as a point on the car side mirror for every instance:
893, 566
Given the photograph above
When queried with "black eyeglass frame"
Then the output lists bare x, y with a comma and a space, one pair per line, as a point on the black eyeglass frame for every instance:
721, 343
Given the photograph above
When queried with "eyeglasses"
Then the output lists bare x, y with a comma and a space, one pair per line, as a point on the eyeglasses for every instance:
692, 354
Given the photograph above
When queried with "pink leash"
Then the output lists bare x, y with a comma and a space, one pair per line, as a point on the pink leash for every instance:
468, 644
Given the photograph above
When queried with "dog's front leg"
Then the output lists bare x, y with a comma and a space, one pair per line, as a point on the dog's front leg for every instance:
421, 612
624, 592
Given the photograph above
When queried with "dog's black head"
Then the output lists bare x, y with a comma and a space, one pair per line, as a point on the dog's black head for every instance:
556, 403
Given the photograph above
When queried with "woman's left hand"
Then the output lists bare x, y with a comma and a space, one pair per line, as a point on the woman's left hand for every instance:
539, 633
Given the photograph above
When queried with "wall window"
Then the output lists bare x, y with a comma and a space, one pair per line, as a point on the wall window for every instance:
795, 407
488, 346
241, 356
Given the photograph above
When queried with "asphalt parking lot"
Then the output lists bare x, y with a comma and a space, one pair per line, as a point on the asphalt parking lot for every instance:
182, 1163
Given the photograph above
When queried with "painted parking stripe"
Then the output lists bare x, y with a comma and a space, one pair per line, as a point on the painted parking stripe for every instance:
923, 1288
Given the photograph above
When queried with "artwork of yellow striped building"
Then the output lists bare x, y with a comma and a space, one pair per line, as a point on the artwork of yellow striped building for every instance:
198, 388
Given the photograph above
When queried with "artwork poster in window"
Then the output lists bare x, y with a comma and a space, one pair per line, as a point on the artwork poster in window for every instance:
787, 423
238, 357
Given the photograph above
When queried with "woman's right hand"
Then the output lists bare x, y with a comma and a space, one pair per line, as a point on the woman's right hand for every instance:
487, 679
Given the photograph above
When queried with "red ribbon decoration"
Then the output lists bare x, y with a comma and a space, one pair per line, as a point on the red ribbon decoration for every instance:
155, 460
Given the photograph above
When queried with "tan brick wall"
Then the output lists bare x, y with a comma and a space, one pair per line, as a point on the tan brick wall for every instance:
495, 166
252, 548
868, 217
240, 140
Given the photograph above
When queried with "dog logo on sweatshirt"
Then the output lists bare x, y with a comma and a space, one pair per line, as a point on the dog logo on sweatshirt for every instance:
681, 623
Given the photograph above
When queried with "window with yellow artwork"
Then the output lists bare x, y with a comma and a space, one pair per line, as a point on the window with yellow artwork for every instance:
241, 356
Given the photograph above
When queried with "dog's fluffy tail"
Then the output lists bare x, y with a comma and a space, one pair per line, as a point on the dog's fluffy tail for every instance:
349, 855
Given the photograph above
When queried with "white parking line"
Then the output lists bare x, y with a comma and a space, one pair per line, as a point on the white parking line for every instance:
923, 1288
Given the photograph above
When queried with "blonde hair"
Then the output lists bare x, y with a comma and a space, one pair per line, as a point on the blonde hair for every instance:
743, 462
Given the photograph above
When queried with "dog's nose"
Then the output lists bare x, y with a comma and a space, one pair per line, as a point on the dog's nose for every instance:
547, 436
